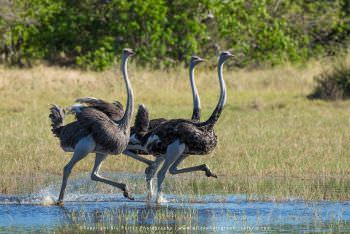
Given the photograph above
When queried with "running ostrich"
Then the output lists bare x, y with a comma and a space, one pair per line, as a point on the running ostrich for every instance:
95, 131
174, 140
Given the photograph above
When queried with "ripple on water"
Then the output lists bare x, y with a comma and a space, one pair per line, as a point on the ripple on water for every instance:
30, 212
85, 206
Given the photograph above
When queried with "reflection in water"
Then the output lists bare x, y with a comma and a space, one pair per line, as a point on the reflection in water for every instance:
125, 215
205, 213
93, 206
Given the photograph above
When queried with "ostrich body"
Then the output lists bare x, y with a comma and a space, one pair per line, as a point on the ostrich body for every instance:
95, 131
174, 140
71, 133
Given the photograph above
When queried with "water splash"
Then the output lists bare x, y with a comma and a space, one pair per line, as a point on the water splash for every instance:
90, 203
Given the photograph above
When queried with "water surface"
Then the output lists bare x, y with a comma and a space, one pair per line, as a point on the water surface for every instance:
91, 207
209, 212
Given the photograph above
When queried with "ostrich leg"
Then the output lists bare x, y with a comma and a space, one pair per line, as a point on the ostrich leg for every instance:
85, 146
95, 176
138, 157
203, 167
174, 151
150, 172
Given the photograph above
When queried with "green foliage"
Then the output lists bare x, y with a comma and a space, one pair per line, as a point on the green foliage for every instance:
276, 31
91, 33
333, 84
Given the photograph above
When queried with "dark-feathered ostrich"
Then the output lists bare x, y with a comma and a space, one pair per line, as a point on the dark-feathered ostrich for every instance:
175, 139
95, 131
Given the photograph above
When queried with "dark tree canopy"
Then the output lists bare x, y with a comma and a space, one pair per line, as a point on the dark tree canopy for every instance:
90, 33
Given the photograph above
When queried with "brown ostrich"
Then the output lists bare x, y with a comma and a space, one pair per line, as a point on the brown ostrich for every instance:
174, 140
95, 132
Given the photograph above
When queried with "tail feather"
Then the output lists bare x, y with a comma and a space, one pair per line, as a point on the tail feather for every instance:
142, 119
56, 115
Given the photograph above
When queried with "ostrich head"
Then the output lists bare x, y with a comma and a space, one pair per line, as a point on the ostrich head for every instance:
128, 52
224, 56
196, 60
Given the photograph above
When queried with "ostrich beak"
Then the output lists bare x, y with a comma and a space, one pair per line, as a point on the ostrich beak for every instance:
129, 51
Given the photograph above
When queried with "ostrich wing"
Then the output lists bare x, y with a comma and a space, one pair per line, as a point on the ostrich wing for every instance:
154, 123
112, 110
104, 131
71, 133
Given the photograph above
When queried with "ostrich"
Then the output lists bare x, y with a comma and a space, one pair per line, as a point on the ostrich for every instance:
95, 131
174, 140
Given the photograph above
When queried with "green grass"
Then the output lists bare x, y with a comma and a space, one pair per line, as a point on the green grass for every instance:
269, 129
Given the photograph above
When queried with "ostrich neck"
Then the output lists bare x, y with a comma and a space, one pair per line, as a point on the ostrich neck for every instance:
125, 120
196, 100
222, 99
223, 94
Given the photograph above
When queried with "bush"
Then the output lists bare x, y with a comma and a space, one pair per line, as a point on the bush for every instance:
91, 33
333, 84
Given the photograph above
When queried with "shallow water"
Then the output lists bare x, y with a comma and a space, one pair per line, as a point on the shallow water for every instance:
91, 207
205, 213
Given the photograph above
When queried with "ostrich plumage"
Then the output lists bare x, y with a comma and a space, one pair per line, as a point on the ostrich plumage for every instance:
173, 140
71, 133
95, 131
113, 110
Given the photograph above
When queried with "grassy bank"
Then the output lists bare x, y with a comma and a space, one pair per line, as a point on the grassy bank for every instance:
268, 129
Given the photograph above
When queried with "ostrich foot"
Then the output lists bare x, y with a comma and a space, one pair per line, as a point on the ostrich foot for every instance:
160, 199
127, 195
150, 191
148, 170
149, 196
59, 203
208, 172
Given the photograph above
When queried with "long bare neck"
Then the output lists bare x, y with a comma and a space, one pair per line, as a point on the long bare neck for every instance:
196, 114
126, 119
223, 94
222, 100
